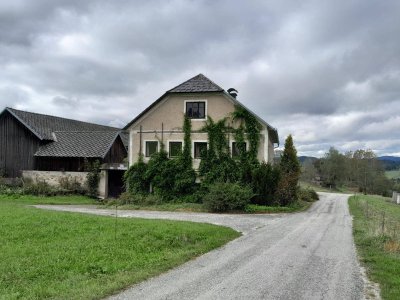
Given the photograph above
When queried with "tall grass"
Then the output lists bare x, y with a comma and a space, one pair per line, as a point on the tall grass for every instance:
377, 237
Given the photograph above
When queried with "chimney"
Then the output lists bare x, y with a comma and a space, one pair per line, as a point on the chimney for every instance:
232, 92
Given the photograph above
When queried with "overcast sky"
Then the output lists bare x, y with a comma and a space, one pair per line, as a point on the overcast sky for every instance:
327, 72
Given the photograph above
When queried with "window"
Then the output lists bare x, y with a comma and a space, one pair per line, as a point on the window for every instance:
199, 149
196, 110
151, 148
237, 148
175, 149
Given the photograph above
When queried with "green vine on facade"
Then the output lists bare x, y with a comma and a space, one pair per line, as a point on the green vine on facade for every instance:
187, 142
251, 127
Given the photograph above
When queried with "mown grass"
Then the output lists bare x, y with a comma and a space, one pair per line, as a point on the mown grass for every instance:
297, 207
393, 174
198, 207
56, 255
376, 228
182, 207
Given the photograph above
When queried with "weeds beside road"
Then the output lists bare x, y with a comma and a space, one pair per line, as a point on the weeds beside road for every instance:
376, 228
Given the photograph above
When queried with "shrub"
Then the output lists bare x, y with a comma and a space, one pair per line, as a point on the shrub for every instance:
70, 185
307, 194
227, 196
265, 183
40, 188
139, 199
92, 177
135, 178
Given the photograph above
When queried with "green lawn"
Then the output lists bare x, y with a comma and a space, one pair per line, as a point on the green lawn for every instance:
56, 255
393, 174
377, 237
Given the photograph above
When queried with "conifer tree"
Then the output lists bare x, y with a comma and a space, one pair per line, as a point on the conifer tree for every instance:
290, 173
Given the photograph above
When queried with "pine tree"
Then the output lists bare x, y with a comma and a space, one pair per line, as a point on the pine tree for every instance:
290, 174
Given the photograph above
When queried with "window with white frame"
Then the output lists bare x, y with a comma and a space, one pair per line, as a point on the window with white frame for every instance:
200, 149
195, 109
175, 149
151, 147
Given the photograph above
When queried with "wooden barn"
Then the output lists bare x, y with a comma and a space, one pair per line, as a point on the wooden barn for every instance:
31, 141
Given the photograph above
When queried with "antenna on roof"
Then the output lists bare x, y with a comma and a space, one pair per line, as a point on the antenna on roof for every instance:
233, 92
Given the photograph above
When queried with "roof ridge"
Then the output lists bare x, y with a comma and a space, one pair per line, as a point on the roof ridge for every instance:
52, 116
75, 131
198, 76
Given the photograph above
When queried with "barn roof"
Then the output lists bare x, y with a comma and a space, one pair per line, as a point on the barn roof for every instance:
43, 126
69, 138
79, 144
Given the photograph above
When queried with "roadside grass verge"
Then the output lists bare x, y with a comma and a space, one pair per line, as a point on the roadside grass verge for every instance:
376, 229
260, 209
31, 200
58, 255
198, 207
182, 207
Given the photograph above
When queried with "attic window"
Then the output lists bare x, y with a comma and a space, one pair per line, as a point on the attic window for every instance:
196, 109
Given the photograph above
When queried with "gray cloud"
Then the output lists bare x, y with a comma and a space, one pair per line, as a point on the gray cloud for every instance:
326, 71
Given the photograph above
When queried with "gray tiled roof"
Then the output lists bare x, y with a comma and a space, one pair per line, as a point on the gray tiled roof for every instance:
197, 84
44, 125
79, 144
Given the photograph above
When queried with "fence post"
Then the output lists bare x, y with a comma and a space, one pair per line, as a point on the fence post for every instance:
383, 223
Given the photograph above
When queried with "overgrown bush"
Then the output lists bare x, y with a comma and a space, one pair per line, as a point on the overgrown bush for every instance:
70, 185
223, 196
307, 194
135, 178
92, 177
139, 199
39, 188
265, 183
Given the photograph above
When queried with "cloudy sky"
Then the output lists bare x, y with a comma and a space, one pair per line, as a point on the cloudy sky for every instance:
326, 71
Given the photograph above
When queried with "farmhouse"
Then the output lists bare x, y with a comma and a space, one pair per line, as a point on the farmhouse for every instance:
198, 98
36, 142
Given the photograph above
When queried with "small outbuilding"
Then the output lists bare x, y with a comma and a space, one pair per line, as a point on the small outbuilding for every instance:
37, 142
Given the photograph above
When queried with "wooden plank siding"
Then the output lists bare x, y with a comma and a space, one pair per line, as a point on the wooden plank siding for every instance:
17, 146
117, 152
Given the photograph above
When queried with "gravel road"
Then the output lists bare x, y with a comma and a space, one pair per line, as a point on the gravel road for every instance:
308, 255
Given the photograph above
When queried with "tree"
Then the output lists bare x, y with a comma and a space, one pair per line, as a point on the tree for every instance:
290, 173
334, 168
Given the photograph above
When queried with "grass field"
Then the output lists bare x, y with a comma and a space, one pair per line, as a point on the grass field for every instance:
393, 174
377, 237
56, 255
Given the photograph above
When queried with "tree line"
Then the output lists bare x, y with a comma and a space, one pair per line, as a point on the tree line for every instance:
358, 169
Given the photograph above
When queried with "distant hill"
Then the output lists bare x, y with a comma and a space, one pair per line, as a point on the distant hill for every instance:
302, 159
390, 162
390, 158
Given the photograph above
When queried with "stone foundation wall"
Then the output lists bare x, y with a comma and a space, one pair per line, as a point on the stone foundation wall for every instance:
53, 177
